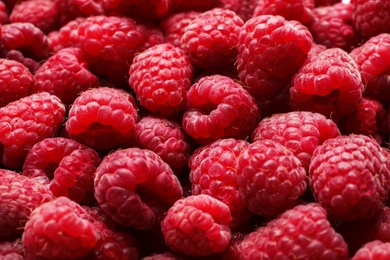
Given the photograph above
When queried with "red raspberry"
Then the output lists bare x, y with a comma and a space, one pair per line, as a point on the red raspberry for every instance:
65, 74
270, 178
213, 172
12, 250
160, 77
329, 84
299, 131
135, 186
349, 176
102, 118
332, 27
41, 13
200, 6
59, 229
299, 10
27, 121
16, 81
197, 225
371, 17
29, 63
19, 195
211, 38
218, 107
243, 8
165, 138
373, 250
301, 232
270, 50
27, 38
73, 9
66, 36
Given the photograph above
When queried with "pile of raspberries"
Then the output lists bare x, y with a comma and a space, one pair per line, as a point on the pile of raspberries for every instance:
213, 129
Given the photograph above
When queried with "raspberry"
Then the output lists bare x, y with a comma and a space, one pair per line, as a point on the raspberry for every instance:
102, 117
59, 230
164, 256
29, 63
332, 27
4, 16
65, 74
218, 107
18, 197
66, 36
213, 172
135, 186
243, 8
301, 232
349, 176
271, 49
41, 13
299, 10
139, 9
12, 250
270, 178
27, 38
197, 225
299, 131
73, 9
371, 18
211, 38
165, 138
160, 77
16, 81
329, 84
373, 250
25, 122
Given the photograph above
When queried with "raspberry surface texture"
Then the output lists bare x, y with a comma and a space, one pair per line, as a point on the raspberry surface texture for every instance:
373, 250
12, 250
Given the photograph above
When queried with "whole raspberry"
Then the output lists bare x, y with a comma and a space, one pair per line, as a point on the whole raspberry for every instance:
197, 225
25, 122
160, 77
301, 232
270, 178
211, 38
271, 50
218, 107
299, 131
19, 196
66, 36
65, 74
164, 137
373, 250
349, 176
329, 84
59, 229
332, 27
73, 9
16, 81
12, 250
135, 187
102, 117
41, 13
371, 17
213, 171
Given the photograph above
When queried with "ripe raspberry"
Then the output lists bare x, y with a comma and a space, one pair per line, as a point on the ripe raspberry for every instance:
165, 138
25, 122
65, 74
102, 117
299, 10
301, 232
332, 27
211, 38
18, 197
27, 38
59, 230
160, 77
42, 14
135, 186
197, 225
218, 107
16, 81
243, 8
213, 172
373, 250
73, 9
270, 178
29, 63
66, 36
200, 6
270, 50
371, 18
299, 131
12, 250
349, 176
329, 84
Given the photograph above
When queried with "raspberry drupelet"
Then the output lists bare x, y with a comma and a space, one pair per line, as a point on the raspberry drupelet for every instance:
66, 36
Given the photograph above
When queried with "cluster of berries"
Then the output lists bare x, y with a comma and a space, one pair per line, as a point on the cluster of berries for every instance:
214, 129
